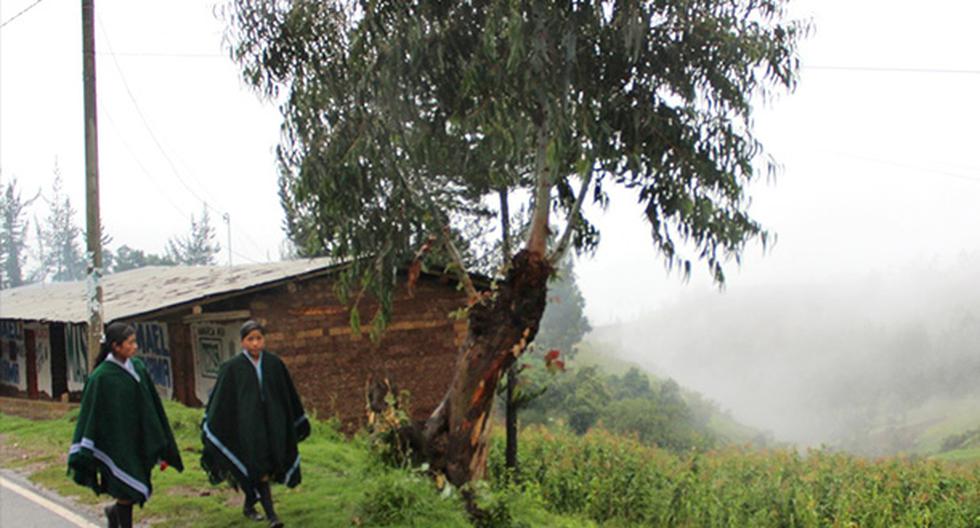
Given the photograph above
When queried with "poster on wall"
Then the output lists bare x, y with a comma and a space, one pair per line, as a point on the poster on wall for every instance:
76, 358
13, 368
42, 356
214, 343
154, 350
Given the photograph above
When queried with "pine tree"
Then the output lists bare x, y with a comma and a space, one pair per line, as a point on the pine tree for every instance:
59, 246
13, 235
199, 247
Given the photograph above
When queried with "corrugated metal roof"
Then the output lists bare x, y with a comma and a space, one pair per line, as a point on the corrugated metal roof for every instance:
147, 289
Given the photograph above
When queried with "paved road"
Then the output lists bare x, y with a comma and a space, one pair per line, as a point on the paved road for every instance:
24, 506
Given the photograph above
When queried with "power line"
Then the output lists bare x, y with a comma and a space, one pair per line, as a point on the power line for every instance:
142, 117
239, 255
22, 11
885, 69
142, 167
152, 54
156, 141
973, 179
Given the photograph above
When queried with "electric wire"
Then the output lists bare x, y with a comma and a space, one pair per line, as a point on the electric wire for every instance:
22, 11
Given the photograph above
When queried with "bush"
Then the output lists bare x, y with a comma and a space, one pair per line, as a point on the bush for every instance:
402, 499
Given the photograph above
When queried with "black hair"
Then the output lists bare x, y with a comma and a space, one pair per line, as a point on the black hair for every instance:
115, 334
250, 326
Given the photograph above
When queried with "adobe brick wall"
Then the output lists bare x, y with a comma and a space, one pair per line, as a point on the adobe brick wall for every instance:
182, 362
310, 329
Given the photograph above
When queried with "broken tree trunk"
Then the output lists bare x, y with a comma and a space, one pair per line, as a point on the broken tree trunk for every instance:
499, 330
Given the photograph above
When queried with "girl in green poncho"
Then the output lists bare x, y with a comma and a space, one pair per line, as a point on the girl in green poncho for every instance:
122, 430
253, 423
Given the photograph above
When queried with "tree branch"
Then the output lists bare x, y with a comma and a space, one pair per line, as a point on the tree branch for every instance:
562, 247
537, 241
464, 277
505, 225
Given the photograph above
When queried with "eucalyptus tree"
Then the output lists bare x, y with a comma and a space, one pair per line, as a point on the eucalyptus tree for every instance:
402, 121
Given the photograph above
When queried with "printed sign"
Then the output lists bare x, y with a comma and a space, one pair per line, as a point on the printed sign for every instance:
76, 356
154, 350
13, 368
214, 343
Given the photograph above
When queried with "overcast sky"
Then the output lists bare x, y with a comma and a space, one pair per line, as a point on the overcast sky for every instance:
878, 145
879, 149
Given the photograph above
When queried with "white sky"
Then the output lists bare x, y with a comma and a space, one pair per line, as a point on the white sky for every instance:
216, 138
880, 168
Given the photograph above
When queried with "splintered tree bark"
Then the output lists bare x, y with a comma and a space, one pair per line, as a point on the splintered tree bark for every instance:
499, 330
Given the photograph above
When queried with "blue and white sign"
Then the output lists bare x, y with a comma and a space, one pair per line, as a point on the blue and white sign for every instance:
154, 350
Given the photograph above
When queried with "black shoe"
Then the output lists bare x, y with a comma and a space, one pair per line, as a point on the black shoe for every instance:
274, 522
110, 513
251, 513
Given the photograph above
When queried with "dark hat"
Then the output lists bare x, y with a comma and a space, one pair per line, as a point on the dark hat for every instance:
249, 326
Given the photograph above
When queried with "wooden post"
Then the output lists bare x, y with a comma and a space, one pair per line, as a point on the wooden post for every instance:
93, 228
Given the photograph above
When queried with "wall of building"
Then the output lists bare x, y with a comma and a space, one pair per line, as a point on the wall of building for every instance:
306, 325
76, 356
42, 354
331, 365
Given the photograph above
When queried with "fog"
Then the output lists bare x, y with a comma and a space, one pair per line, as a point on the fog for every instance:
823, 363
862, 322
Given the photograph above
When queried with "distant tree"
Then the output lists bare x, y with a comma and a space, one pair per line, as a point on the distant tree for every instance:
590, 394
61, 257
128, 258
564, 323
633, 384
199, 247
13, 235
108, 257
563, 326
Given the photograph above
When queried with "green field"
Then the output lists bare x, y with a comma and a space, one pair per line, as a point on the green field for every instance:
566, 480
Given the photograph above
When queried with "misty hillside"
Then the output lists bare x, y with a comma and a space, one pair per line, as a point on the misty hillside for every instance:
875, 363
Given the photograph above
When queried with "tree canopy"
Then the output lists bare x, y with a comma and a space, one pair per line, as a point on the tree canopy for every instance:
403, 120
401, 117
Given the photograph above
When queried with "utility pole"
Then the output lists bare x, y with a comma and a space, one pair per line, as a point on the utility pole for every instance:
93, 228
227, 219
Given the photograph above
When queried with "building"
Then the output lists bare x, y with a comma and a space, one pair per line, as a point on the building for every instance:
187, 321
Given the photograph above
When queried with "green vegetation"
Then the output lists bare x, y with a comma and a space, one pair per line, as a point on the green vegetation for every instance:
620, 482
656, 411
566, 479
344, 483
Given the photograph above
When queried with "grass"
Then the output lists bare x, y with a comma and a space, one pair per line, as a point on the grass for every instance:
960, 455
567, 481
343, 482
618, 482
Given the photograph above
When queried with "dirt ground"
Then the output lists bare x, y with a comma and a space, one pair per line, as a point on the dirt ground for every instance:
35, 409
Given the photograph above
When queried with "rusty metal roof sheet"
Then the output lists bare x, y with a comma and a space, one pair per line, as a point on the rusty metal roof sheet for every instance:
149, 289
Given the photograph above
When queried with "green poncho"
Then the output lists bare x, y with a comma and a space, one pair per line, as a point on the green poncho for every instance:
121, 433
251, 429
